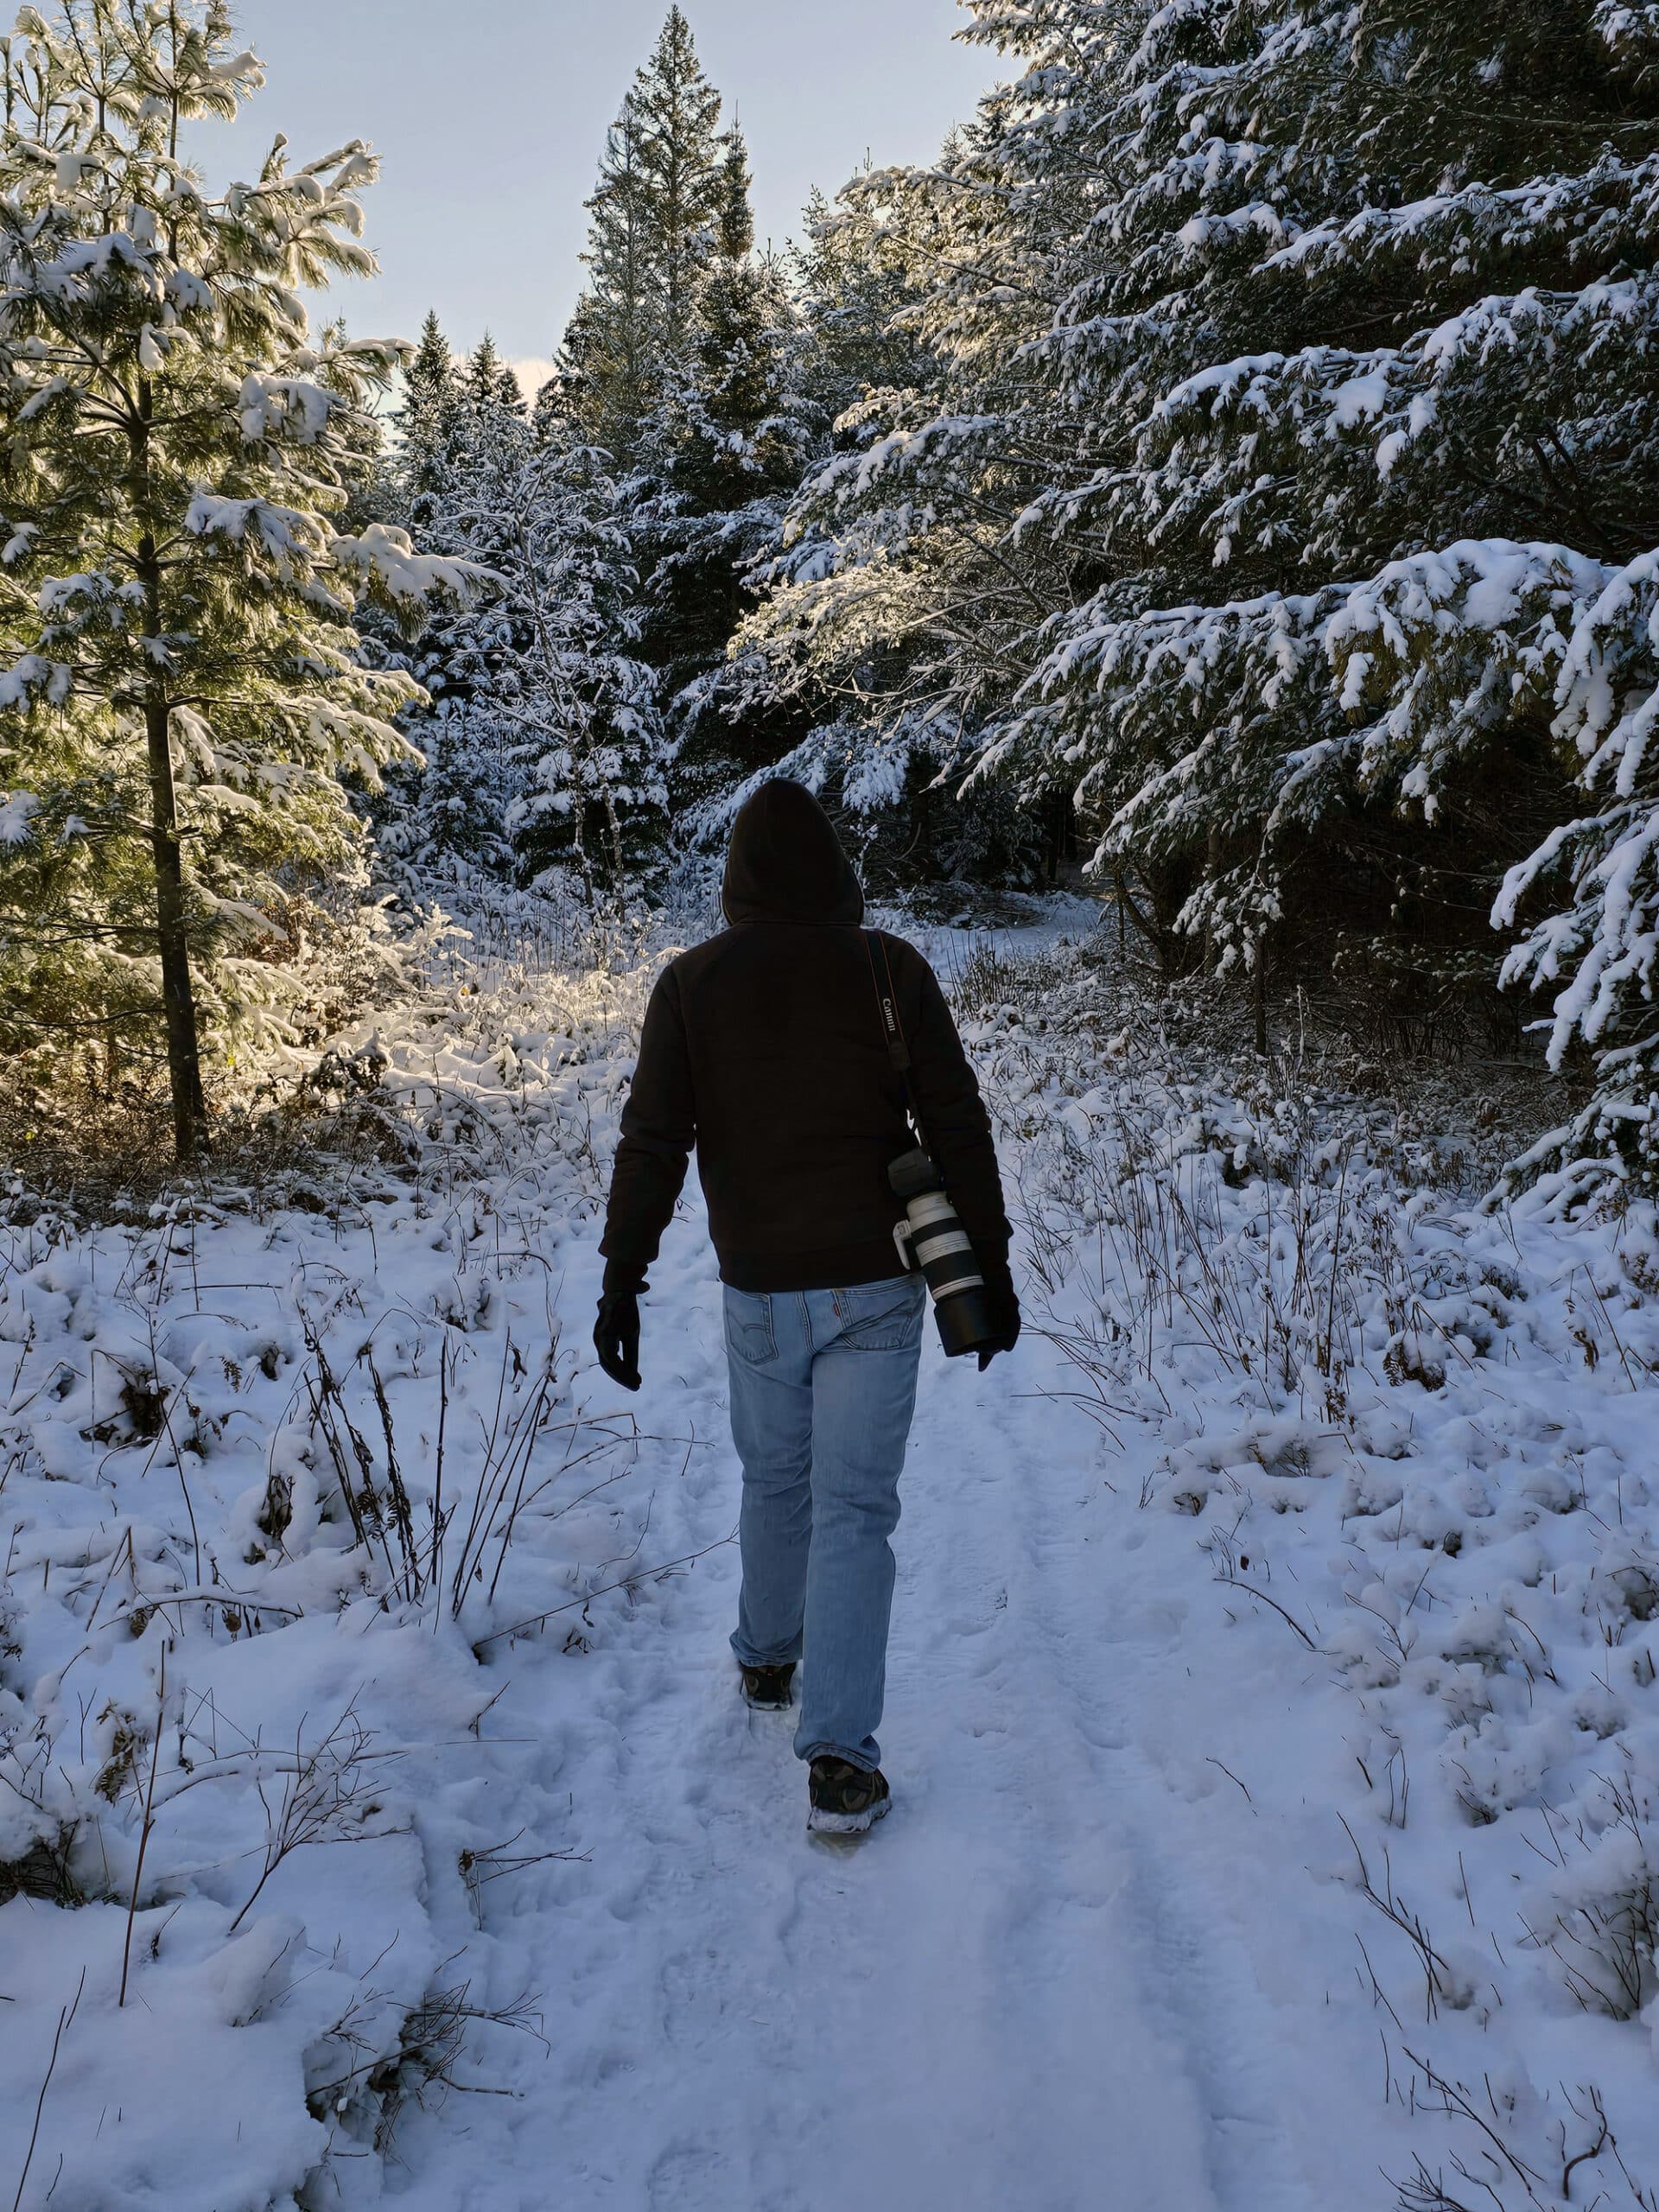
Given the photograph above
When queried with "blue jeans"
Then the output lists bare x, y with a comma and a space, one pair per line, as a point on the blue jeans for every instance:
823, 1385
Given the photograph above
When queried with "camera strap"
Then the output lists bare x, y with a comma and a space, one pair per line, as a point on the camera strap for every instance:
893, 1029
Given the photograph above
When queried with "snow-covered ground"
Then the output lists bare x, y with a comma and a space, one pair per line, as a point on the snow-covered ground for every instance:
1271, 1716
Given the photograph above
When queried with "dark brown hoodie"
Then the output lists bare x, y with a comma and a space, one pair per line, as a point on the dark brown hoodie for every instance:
764, 1049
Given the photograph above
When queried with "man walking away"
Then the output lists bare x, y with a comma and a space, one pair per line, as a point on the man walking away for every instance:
766, 1049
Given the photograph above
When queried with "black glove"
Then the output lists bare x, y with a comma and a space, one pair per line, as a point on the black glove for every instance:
1005, 1310
616, 1333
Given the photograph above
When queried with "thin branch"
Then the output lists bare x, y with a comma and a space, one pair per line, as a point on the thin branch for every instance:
66, 2021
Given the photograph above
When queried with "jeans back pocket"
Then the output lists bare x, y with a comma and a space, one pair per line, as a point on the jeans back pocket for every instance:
881, 1316
748, 1326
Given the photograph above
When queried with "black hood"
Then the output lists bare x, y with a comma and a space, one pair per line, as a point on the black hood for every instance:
787, 864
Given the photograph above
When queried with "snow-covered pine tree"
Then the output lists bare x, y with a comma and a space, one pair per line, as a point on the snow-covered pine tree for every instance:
903, 601
1295, 412
1379, 333
605, 376
1246, 825
424, 422
184, 693
858, 362
854, 300
676, 363
444, 823
407, 489
592, 803
538, 736
725, 425
855, 360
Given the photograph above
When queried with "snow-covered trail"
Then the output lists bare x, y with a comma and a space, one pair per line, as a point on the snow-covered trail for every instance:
989, 2004
1193, 1727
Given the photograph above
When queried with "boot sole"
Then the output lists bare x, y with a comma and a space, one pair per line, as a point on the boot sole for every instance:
820, 1823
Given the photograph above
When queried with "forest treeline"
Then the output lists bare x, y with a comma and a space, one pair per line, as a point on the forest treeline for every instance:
1231, 463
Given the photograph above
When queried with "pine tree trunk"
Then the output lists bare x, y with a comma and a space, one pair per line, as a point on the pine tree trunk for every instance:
178, 995
1259, 993
613, 824
172, 943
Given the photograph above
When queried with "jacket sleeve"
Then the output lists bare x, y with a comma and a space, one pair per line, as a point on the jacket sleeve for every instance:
955, 1124
658, 1130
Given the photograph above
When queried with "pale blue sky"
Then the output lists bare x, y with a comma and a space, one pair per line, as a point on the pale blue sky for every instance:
490, 118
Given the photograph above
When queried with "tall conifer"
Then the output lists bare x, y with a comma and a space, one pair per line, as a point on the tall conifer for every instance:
684, 180
651, 235
1285, 492
184, 689
424, 417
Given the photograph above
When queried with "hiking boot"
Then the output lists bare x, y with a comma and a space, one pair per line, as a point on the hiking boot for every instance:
845, 1798
766, 1688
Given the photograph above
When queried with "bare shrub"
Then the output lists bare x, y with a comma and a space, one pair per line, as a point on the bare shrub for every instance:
1494, 2171
1606, 1928
328, 1796
369, 2092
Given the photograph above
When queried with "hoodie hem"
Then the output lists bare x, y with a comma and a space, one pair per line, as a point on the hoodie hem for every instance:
842, 1267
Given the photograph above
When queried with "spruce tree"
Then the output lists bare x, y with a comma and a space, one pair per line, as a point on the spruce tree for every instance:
684, 182
727, 426
855, 294
592, 800
425, 419
731, 440
184, 691
653, 215
1282, 492
445, 822
1383, 377
540, 753
487, 383
607, 368
902, 599
679, 363
846, 712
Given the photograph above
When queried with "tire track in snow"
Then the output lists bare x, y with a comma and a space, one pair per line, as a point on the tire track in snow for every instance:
1192, 1977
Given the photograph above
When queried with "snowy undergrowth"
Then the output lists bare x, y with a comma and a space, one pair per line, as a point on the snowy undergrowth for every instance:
289, 1473
1411, 1439
271, 1477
